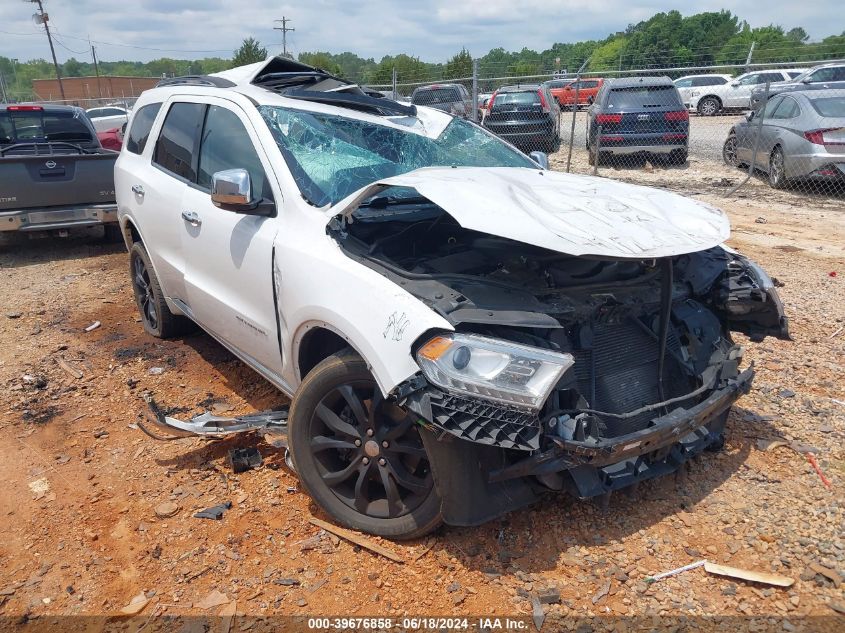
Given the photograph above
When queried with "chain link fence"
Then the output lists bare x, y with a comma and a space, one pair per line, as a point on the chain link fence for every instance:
645, 126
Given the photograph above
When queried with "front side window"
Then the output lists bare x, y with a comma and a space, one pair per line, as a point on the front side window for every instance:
684, 83
333, 156
226, 145
750, 80
136, 140
828, 74
175, 147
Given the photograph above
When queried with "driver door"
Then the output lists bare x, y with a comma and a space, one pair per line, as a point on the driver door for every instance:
229, 255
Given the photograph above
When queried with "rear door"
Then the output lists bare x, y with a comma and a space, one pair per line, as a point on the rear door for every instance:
229, 256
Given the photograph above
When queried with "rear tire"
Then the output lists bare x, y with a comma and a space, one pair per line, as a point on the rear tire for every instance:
156, 317
729, 154
777, 169
359, 456
709, 106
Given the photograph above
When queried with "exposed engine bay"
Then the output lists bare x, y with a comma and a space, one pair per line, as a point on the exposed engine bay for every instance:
650, 338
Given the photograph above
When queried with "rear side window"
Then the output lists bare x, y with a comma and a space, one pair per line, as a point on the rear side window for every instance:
226, 145
643, 97
829, 106
787, 109
176, 143
136, 140
709, 81
436, 95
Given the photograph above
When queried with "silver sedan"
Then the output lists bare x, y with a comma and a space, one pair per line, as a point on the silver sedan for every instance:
801, 136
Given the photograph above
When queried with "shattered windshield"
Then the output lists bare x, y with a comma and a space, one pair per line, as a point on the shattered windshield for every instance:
332, 156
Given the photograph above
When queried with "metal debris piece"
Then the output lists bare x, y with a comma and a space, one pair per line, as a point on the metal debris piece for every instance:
244, 459
93, 326
674, 572
286, 582
208, 425
214, 512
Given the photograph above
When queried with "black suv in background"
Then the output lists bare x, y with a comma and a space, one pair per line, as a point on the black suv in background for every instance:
451, 98
638, 115
527, 116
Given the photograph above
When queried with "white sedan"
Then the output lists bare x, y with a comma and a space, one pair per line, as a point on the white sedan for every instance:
108, 117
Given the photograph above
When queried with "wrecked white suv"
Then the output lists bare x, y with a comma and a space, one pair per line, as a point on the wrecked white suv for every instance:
459, 329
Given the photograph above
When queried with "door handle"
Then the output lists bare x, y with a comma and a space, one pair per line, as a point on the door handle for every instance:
138, 189
191, 218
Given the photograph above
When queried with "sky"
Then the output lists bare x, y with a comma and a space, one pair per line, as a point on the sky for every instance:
432, 30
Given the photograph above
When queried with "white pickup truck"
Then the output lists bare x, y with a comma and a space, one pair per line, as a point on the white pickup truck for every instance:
458, 328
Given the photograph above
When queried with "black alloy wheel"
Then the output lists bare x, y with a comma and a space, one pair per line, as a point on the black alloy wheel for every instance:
359, 455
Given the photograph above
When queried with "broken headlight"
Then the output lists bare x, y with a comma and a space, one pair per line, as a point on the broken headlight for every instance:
493, 369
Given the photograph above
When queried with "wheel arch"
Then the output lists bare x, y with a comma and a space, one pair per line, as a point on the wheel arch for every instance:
710, 96
316, 344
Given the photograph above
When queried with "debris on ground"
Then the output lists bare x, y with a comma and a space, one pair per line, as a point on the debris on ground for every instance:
214, 512
746, 574
674, 572
167, 509
39, 487
213, 599
136, 605
93, 326
70, 369
358, 539
155, 371
812, 459
831, 574
243, 459
538, 615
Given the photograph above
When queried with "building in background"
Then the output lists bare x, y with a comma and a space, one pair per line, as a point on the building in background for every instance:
83, 89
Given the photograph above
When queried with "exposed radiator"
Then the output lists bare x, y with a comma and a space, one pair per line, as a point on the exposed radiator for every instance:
624, 359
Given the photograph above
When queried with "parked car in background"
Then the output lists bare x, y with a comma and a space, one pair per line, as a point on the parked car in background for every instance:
451, 98
736, 94
458, 330
586, 89
54, 174
688, 84
802, 137
112, 139
108, 117
527, 116
824, 77
638, 115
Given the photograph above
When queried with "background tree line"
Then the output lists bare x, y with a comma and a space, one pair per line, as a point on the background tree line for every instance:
664, 40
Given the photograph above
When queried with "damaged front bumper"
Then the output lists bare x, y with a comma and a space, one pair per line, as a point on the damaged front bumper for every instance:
479, 480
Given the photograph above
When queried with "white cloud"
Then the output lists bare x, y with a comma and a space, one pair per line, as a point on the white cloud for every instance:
430, 29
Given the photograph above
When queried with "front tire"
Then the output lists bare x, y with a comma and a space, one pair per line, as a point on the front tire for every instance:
360, 456
777, 169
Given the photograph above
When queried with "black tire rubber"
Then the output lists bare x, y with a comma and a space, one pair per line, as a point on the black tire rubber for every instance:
729, 155
343, 369
167, 324
678, 157
713, 100
777, 177
112, 234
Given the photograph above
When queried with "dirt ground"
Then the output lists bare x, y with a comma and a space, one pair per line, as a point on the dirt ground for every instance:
81, 483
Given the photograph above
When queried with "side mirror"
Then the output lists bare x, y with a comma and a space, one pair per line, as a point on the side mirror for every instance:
749, 115
541, 158
231, 190
806, 80
590, 100
735, 84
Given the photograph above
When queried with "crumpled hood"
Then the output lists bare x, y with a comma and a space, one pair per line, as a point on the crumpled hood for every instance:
576, 215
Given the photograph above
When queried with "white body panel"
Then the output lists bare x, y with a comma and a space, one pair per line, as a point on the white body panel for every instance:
222, 273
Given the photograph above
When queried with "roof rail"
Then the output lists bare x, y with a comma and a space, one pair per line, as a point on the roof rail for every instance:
196, 80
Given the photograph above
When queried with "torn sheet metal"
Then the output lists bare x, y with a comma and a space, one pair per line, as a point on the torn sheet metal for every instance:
210, 426
576, 215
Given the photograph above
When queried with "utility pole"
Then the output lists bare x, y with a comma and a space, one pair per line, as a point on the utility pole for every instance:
750, 53
96, 69
3, 89
284, 29
42, 18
